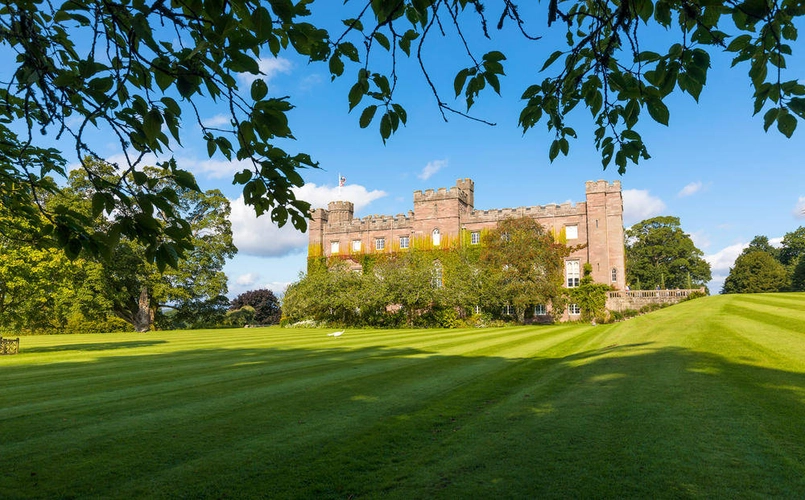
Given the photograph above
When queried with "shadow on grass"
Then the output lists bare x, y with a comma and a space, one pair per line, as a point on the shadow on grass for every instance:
622, 421
94, 346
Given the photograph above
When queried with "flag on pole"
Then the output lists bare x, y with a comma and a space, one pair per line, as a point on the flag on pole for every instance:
341, 181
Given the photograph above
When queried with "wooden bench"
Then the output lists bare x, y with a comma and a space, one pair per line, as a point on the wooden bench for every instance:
9, 346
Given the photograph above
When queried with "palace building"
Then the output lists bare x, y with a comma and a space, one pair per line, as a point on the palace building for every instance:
445, 215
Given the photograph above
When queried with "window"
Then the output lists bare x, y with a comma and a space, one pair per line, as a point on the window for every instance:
574, 309
404, 242
477, 309
614, 275
437, 238
334, 247
356, 245
540, 310
572, 273
572, 232
475, 238
380, 243
436, 277
508, 310
504, 236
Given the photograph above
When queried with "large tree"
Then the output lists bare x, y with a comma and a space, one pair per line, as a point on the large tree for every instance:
195, 287
660, 253
756, 272
265, 304
137, 71
524, 265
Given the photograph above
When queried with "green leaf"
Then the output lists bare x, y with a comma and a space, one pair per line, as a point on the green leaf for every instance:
770, 117
356, 93
98, 204
353, 23
385, 127
786, 124
259, 89
336, 66
242, 177
461, 78
658, 111
367, 115
553, 57
382, 40
554, 150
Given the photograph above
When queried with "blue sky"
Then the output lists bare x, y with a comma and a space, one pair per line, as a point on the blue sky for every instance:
713, 166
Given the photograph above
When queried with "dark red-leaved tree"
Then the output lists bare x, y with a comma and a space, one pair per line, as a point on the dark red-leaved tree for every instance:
266, 305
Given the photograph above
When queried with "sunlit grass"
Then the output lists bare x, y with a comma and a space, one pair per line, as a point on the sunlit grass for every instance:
703, 399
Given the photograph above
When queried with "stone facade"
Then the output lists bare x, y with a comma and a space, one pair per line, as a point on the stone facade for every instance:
444, 214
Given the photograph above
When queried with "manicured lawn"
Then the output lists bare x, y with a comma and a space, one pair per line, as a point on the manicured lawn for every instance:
703, 399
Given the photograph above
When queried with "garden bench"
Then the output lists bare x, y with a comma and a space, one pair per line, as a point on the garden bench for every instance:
9, 346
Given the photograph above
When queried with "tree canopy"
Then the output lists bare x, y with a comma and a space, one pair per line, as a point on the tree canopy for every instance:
660, 254
784, 272
137, 72
756, 272
265, 305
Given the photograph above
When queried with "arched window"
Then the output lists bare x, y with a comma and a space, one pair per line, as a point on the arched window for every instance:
437, 238
614, 275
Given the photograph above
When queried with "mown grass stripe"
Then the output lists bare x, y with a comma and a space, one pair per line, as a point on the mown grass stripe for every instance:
689, 401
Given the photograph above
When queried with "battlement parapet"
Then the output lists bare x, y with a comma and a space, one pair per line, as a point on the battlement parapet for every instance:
602, 186
442, 194
549, 210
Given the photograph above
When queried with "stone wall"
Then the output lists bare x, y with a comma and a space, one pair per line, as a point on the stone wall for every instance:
621, 300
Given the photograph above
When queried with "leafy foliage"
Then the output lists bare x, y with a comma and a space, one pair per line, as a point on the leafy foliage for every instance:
789, 256
42, 290
524, 265
430, 287
659, 253
84, 66
264, 304
138, 71
756, 272
591, 297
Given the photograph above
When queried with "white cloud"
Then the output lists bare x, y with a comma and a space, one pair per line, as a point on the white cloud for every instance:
638, 204
247, 279
690, 189
320, 196
278, 287
310, 82
269, 67
721, 261
776, 242
261, 237
216, 121
799, 208
431, 168
720, 264
700, 239
215, 169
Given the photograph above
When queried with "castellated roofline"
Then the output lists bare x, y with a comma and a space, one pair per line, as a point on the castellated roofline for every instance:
549, 210
602, 186
463, 190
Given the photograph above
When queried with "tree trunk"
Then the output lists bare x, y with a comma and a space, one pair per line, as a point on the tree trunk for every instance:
144, 316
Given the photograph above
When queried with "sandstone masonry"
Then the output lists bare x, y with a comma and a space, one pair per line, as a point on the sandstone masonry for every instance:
442, 214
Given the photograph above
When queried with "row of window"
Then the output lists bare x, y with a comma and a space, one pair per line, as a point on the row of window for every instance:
573, 273
572, 233
541, 309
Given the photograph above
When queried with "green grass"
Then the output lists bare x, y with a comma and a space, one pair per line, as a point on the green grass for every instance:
703, 399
